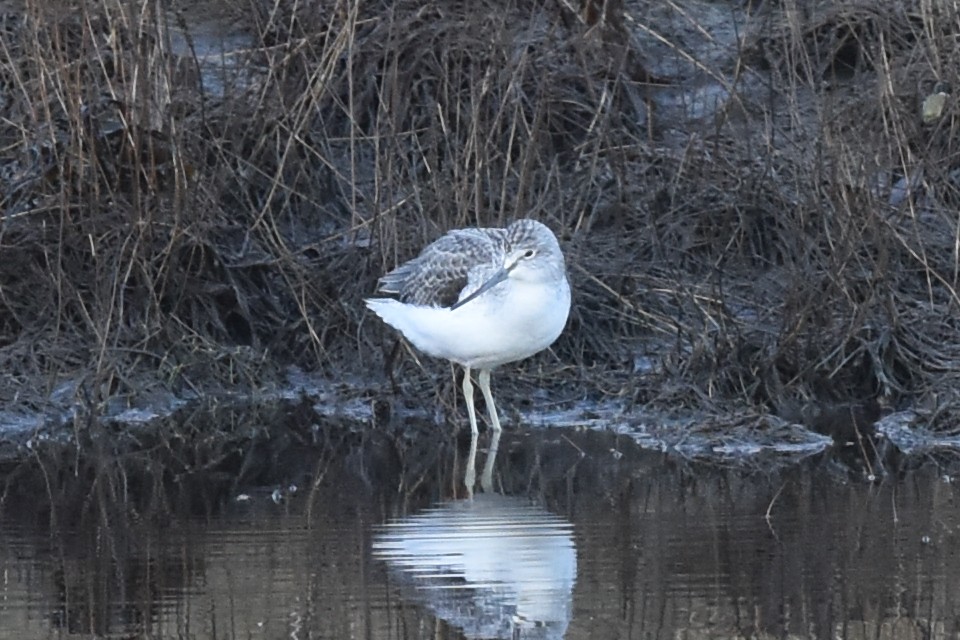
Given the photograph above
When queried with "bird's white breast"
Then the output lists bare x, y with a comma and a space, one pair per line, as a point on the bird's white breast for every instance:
512, 322
525, 320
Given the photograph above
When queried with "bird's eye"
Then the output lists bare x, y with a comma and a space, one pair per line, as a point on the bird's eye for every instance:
529, 253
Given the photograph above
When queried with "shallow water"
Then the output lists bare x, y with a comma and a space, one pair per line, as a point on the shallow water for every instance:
367, 535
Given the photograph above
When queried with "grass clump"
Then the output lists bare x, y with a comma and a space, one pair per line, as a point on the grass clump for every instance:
183, 220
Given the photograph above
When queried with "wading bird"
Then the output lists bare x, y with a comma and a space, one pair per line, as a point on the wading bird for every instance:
480, 298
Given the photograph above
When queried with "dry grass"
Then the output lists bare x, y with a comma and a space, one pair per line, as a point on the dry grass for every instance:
799, 245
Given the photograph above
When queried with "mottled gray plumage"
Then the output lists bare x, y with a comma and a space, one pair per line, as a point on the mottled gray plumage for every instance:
457, 263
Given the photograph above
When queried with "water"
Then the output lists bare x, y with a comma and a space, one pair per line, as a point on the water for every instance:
360, 534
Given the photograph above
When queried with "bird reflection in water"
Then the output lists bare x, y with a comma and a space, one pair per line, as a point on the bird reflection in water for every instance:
486, 477
494, 566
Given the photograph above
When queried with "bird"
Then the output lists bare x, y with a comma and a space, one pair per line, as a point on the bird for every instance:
481, 298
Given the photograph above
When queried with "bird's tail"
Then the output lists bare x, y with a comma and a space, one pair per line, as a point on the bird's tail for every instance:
426, 327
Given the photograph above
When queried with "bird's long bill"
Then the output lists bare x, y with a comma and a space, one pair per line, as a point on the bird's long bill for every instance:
494, 280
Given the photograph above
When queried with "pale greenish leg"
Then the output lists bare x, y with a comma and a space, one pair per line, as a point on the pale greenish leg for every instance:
486, 478
470, 476
468, 395
484, 380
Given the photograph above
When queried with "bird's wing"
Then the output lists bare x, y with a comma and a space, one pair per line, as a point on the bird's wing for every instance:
438, 275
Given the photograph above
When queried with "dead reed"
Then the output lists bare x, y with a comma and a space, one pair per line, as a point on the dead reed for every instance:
795, 245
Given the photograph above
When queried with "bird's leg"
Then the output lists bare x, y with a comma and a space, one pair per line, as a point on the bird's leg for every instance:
484, 380
468, 395
470, 476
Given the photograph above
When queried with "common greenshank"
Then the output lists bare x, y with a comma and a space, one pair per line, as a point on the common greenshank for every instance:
480, 298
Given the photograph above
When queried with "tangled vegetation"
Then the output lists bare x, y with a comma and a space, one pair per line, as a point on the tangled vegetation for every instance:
175, 220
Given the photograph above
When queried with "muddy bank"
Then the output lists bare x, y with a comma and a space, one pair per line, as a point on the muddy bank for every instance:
757, 211
202, 462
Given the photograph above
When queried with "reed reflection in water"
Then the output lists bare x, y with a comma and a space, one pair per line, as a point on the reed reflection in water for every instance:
575, 534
